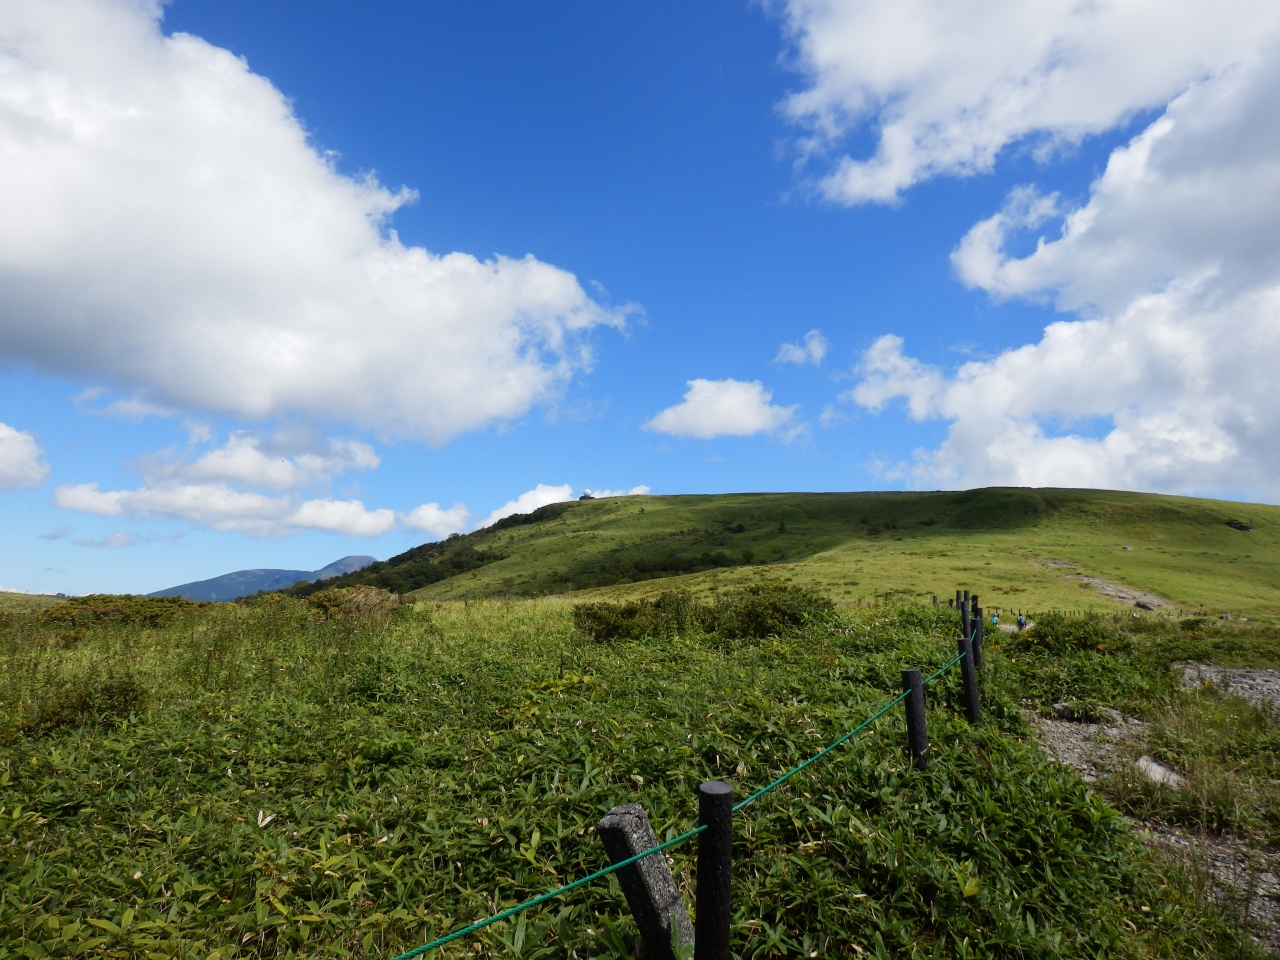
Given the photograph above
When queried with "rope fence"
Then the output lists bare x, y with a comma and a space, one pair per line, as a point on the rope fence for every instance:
712, 944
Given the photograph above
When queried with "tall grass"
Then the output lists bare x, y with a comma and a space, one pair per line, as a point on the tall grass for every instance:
287, 779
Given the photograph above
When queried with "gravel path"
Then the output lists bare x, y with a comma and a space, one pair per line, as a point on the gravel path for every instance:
1129, 595
1087, 748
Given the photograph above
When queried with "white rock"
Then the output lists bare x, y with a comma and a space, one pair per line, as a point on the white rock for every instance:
1157, 772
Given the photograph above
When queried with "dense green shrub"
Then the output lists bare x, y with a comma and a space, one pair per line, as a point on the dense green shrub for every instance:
755, 612
351, 602
769, 609
108, 608
671, 612
1059, 633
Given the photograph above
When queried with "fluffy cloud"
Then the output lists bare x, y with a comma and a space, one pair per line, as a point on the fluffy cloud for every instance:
341, 516
223, 507
435, 520
215, 489
720, 408
540, 496
206, 489
20, 463
638, 491
248, 459
1177, 254
809, 350
946, 85
1191, 202
169, 231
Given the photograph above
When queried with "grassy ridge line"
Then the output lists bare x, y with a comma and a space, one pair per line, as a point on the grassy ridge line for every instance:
1018, 548
268, 784
26, 602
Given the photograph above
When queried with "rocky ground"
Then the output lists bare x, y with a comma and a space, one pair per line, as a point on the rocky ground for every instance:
1256, 686
1230, 867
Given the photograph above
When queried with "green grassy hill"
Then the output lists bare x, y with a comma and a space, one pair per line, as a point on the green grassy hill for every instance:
1017, 548
25, 602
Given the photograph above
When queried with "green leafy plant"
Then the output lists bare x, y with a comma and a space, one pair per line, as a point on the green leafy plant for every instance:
351, 786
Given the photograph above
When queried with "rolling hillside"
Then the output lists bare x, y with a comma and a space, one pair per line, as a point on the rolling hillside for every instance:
1018, 548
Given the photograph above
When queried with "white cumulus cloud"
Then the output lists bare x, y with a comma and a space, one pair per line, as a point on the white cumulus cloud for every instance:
540, 496
947, 84
223, 507
1161, 376
435, 520
170, 232
723, 408
637, 491
811, 349
341, 516
20, 463
248, 459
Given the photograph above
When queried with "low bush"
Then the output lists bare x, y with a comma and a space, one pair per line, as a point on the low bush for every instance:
108, 608
752, 613
771, 609
670, 613
1059, 633
346, 603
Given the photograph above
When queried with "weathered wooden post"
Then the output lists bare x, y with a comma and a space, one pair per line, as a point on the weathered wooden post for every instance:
917, 737
979, 633
715, 867
968, 673
650, 889
964, 615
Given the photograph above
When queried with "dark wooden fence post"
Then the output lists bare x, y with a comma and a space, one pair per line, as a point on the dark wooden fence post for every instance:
715, 867
964, 614
650, 889
968, 673
917, 737
979, 633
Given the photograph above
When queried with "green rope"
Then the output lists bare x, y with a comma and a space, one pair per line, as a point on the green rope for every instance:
560, 891
543, 898
817, 756
936, 675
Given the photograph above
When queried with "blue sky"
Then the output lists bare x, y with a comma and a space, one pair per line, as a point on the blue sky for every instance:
206, 365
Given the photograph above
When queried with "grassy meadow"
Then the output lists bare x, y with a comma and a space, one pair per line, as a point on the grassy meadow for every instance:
352, 775
26, 602
1018, 548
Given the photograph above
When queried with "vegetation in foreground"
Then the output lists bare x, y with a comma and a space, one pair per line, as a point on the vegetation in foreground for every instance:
352, 775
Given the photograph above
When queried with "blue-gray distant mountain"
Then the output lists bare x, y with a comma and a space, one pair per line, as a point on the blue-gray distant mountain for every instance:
243, 583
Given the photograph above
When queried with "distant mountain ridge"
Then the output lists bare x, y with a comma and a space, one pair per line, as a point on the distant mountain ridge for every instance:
243, 583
